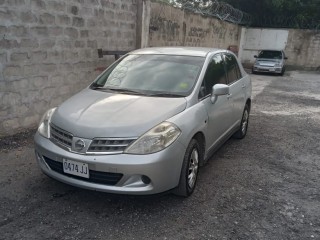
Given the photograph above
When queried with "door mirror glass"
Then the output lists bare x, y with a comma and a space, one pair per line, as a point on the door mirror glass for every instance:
285, 58
255, 56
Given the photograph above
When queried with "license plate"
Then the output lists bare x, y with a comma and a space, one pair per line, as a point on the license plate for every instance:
272, 70
76, 168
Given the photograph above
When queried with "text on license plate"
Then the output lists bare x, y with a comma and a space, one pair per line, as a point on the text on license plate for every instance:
76, 168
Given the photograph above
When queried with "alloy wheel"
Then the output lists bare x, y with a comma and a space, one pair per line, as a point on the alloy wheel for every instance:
244, 123
193, 168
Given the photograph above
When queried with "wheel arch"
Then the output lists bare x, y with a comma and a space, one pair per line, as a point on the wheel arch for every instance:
200, 137
248, 102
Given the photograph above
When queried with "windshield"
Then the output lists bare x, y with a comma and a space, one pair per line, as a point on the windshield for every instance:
152, 75
270, 54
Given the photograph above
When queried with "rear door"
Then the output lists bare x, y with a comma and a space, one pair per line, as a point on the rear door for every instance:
237, 86
220, 113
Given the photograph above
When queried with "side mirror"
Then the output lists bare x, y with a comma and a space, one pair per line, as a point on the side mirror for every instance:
219, 90
285, 58
255, 56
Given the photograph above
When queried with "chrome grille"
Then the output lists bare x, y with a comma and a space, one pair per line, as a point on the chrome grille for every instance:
110, 145
60, 136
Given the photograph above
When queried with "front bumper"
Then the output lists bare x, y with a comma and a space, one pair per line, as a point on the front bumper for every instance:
267, 69
162, 168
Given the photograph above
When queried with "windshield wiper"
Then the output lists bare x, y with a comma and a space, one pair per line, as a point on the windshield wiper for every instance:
95, 86
109, 89
134, 92
101, 88
124, 90
165, 94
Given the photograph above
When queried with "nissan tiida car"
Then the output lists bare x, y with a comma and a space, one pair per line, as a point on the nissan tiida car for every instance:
270, 61
147, 123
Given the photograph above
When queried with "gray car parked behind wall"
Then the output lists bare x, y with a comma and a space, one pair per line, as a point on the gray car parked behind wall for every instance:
270, 61
147, 123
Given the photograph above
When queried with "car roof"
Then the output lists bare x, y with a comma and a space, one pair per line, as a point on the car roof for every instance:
181, 51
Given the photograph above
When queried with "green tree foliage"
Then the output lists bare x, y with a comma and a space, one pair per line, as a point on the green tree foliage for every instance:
294, 10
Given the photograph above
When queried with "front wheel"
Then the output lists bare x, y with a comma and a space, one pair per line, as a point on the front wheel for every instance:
242, 131
189, 171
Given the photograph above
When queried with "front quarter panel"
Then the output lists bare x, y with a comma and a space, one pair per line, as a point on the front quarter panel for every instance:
248, 85
190, 122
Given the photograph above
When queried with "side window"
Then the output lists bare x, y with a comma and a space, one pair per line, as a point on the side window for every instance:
215, 74
232, 67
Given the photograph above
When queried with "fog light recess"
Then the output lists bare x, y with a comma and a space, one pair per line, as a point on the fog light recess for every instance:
145, 179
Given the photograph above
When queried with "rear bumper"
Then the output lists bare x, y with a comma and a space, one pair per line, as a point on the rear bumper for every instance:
162, 168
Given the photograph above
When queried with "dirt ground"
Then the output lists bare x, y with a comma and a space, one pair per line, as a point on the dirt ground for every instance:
266, 186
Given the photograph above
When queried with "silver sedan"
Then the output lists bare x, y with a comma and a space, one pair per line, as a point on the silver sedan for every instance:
147, 123
270, 61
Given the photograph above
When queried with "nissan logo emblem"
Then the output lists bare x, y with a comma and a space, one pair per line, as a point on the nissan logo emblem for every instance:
79, 145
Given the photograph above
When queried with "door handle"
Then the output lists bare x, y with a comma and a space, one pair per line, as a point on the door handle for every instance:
229, 96
243, 86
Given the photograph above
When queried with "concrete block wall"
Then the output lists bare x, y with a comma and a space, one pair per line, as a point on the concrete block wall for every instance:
303, 49
48, 52
174, 27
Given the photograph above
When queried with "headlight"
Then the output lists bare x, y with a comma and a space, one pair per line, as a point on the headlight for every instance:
44, 128
155, 140
277, 65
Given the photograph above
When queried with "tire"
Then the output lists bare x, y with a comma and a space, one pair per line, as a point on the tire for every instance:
242, 131
189, 170
282, 72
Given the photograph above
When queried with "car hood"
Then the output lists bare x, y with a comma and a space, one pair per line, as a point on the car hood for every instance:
91, 114
268, 62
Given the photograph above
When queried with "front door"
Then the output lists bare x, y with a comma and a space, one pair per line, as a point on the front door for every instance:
219, 113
